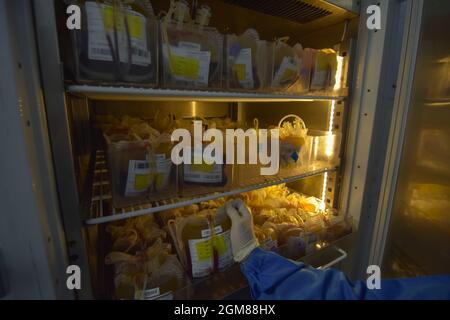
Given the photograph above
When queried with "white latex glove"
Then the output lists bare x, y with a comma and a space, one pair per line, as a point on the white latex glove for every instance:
243, 239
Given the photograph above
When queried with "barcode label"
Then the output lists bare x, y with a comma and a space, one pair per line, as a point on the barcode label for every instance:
214, 175
141, 165
100, 23
150, 293
139, 52
101, 51
189, 45
207, 232
138, 177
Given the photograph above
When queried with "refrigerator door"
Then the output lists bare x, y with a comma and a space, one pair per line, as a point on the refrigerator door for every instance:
414, 230
32, 244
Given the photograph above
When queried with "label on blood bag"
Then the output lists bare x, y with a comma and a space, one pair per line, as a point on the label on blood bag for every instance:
100, 24
202, 253
188, 63
286, 73
138, 178
243, 69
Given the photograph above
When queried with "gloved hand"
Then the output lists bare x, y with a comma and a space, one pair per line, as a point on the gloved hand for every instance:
243, 239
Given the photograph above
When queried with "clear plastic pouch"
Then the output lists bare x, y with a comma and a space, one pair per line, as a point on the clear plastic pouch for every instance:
161, 281
140, 172
249, 61
203, 178
199, 177
203, 241
305, 62
192, 52
116, 43
323, 148
294, 156
129, 170
247, 173
286, 68
152, 273
324, 70
164, 182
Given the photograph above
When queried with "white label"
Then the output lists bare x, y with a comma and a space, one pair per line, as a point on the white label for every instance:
153, 294
201, 257
319, 80
188, 63
138, 36
207, 232
321, 72
226, 257
162, 163
138, 178
203, 173
148, 294
243, 68
100, 22
98, 47
287, 71
166, 296
269, 244
189, 45
163, 169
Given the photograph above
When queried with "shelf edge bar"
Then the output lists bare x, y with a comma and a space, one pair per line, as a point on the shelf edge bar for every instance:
208, 197
124, 93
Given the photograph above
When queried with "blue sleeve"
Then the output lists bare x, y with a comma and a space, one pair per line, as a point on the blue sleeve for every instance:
271, 276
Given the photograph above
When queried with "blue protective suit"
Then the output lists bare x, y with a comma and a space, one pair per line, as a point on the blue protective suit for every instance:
271, 276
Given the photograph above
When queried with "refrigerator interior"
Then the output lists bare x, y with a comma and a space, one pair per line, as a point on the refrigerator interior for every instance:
327, 26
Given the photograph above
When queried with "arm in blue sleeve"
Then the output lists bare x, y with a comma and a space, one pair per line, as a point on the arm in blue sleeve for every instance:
271, 276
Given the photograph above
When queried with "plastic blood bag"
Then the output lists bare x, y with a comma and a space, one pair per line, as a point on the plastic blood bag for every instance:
192, 51
286, 66
206, 238
117, 42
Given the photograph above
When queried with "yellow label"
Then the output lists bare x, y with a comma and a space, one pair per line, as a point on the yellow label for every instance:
202, 167
219, 244
141, 181
108, 17
185, 66
135, 26
321, 62
289, 74
204, 250
135, 23
239, 69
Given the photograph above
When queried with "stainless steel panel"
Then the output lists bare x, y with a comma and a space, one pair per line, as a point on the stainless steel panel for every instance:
33, 256
58, 115
147, 109
371, 103
314, 113
419, 232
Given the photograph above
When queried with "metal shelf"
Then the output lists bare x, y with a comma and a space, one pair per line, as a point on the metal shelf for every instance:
134, 93
102, 213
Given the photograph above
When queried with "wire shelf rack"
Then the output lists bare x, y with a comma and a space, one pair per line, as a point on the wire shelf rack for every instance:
102, 211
